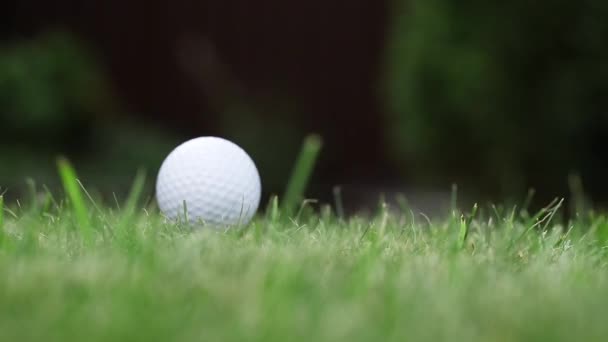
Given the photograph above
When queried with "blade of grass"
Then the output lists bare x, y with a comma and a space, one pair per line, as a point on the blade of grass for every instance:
578, 203
90, 197
31, 186
46, 204
544, 216
463, 233
3, 209
1, 219
384, 212
71, 187
552, 213
527, 202
301, 172
116, 200
303, 206
272, 212
465, 225
135, 193
50, 196
339, 204
454, 200
126, 230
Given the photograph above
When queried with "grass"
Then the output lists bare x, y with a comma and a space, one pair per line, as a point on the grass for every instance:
301, 173
394, 276
74, 196
78, 269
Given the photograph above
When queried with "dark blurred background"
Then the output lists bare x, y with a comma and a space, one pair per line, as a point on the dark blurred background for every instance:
409, 95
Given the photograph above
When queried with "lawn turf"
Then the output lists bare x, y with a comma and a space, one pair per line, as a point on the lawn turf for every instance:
502, 275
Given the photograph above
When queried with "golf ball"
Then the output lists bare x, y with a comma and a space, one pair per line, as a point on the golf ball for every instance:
209, 180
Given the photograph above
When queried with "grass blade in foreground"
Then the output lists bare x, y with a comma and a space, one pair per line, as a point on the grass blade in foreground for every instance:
1, 219
126, 230
1, 211
72, 191
135, 193
301, 172
272, 212
465, 226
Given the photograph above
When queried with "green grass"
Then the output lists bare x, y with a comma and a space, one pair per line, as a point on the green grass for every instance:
506, 276
72, 187
74, 268
302, 172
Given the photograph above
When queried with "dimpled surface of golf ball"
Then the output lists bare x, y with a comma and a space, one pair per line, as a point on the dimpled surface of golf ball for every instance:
216, 179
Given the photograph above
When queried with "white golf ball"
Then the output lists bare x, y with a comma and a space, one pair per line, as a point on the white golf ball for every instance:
210, 180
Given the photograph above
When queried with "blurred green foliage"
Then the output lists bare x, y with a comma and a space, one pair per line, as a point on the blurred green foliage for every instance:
49, 89
497, 96
55, 100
